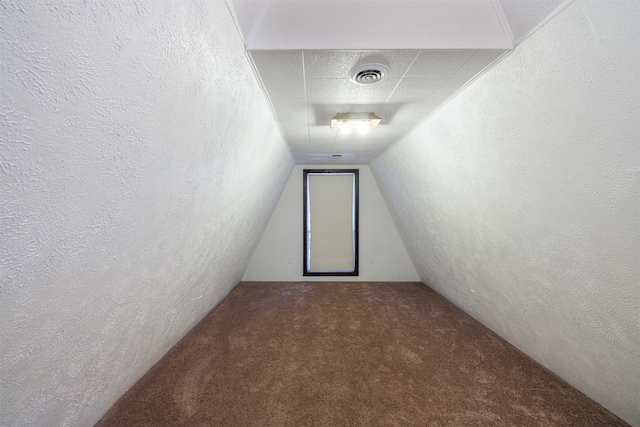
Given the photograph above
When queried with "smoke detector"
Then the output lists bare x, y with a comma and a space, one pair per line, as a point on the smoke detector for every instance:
367, 74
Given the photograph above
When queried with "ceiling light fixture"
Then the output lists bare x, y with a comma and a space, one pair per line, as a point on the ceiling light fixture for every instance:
361, 121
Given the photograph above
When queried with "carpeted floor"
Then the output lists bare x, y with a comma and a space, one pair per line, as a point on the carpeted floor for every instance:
348, 354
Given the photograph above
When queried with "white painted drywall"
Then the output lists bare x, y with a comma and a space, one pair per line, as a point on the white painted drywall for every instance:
383, 256
520, 199
139, 165
524, 15
355, 24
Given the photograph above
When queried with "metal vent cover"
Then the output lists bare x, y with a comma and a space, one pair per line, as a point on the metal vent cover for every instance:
367, 74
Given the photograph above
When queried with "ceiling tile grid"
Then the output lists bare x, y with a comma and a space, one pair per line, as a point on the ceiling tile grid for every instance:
308, 88
303, 53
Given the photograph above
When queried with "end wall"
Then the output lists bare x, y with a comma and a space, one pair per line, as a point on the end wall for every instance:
382, 255
133, 192
520, 199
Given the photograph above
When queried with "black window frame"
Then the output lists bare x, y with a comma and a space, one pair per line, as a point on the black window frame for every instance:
356, 213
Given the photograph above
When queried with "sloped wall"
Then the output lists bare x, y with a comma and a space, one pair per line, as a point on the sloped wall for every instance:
382, 254
139, 165
520, 199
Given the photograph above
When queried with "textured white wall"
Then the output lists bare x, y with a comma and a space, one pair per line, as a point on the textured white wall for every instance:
379, 237
139, 165
520, 199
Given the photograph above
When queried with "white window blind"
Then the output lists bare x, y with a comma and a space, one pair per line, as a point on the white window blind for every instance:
331, 222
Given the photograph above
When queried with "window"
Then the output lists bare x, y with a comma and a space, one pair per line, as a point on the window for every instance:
330, 222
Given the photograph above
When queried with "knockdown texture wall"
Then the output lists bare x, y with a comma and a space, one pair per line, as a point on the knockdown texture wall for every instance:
519, 200
139, 164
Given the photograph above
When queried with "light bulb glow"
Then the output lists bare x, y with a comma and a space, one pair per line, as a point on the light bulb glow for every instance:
362, 127
341, 119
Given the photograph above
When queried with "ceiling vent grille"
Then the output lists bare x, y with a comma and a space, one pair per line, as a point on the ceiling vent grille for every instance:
367, 74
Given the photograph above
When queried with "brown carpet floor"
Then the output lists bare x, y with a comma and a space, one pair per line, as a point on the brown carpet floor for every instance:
348, 354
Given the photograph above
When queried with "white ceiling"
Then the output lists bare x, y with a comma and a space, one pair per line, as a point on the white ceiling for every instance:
303, 52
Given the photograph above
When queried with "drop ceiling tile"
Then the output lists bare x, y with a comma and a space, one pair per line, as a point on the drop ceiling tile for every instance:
430, 105
308, 87
314, 157
290, 111
380, 90
356, 140
338, 64
334, 64
398, 61
383, 131
278, 64
449, 90
441, 96
299, 146
296, 135
417, 88
348, 159
396, 112
322, 133
321, 111
402, 133
438, 63
365, 158
464, 76
377, 146
333, 102
478, 62
328, 88
408, 126
300, 157
322, 146
372, 105
380, 133
284, 88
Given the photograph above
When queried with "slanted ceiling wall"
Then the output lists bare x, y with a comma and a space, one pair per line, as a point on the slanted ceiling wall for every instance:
139, 165
520, 199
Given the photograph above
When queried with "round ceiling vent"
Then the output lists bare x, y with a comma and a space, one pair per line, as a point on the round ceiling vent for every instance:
367, 74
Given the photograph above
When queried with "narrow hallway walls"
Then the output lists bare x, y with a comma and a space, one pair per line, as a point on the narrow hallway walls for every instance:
520, 199
139, 164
